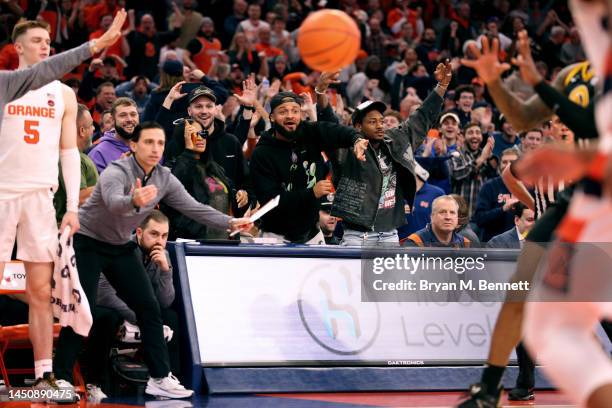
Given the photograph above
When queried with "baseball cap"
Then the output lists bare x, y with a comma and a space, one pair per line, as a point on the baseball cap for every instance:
420, 172
284, 97
325, 202
363, 108
202, 91
173, 67
449, 115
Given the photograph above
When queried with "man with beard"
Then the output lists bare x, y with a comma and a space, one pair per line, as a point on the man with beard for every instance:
115, 144
470, 169
203, 48
287, 162
89, 174
370, 197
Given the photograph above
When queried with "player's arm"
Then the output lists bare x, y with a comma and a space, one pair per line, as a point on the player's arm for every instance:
14, 84
70, 161
517, 188
524, 115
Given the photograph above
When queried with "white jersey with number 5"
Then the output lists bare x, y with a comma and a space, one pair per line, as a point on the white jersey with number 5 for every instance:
29, 141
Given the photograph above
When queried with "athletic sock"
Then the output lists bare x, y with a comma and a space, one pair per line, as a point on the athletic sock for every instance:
491, 377
42, 366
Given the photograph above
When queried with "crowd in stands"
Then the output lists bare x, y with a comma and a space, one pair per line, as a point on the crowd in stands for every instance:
220, 44
221, 78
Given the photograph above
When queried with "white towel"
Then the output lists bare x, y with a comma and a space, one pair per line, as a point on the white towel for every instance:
69, 302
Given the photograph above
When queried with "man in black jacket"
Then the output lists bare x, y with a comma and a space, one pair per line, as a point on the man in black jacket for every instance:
224, 148
288, 162
370, 195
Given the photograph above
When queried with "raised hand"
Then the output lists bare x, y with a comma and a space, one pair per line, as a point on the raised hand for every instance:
112, 34
141, 196
326, 79
444, 73
322, 188
524, 61
174, 94
249, 92
487, 63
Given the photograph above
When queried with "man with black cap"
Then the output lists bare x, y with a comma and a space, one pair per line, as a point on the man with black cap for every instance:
287, 162
370, 196
328, 222
225, 148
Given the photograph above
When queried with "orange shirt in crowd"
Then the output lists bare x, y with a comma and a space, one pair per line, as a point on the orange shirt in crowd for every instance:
9, 60
270, 51
209, 50
93, 13
114, 49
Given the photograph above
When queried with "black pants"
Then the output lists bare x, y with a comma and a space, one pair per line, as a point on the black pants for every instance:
126, 273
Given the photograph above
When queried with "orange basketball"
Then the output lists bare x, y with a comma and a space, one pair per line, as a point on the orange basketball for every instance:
328, 40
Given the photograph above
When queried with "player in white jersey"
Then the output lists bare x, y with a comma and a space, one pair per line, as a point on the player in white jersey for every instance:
38, 130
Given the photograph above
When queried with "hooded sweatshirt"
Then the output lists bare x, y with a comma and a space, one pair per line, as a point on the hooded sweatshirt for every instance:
291, 170
109, 149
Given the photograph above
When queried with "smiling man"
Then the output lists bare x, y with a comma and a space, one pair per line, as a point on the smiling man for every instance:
115, 143
370, 196
288, 162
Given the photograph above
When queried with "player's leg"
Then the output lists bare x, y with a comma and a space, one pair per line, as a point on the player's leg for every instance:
40, 314
36, 244
560, 335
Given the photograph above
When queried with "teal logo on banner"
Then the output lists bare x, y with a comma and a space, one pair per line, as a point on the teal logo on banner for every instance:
330, 308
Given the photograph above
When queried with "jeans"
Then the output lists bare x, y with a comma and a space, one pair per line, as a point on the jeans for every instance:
359, 238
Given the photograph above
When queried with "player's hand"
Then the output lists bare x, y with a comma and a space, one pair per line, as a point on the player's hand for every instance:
71, 219
158, 255
114, 31
524, 61
360, 148
141, 196
242, 198
559, 162
323, 187
486, 64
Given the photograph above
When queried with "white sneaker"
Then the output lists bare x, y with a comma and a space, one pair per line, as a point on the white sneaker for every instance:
2, 385
95, 393
69, 395
168, 387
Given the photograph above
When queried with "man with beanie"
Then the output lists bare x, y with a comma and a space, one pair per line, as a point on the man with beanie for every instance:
370, 196
287, 162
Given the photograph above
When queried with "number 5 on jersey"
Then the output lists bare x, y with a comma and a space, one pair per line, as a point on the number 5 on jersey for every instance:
30, 128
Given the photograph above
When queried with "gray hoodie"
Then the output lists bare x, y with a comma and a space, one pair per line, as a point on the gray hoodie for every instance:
110, 216
15, 84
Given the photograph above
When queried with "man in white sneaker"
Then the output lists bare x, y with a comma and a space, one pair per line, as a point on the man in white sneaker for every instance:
37, 131
128, 191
